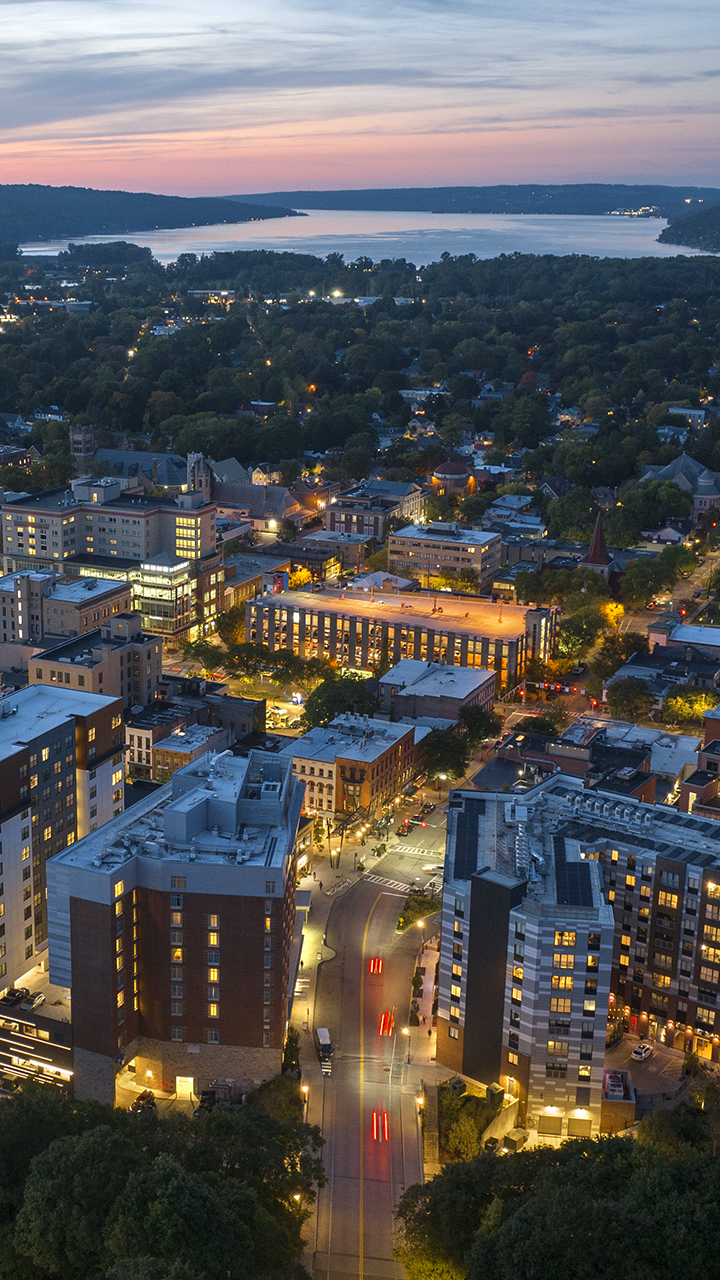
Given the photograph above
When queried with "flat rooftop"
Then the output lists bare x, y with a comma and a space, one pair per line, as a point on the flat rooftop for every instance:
217, 810
81, 650
185, 741
437, 610
433, 680
445, 533
71, 590
39, 708
354, 737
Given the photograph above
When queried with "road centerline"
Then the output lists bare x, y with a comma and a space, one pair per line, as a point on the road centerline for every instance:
362, 1082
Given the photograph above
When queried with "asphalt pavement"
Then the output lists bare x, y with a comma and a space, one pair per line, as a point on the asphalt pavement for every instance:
368, 1108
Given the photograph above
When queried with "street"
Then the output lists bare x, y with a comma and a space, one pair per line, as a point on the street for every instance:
367, 1108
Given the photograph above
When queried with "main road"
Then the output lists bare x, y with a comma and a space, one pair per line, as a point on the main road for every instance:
368, 1107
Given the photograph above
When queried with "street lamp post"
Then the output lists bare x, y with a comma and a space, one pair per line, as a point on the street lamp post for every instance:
406, 1032
306, 1098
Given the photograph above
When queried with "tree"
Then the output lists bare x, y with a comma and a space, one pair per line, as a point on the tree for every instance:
445, 754
69, 1195
686, 704
579, 632
464, 1139
335, 696
627, 697
207, 655
230, 625
287, 531
615, 651
479, 725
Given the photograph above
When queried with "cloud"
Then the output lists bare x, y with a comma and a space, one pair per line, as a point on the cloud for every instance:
281, 70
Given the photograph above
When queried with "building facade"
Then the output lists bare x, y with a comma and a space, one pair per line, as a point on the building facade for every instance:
414, 688
427, 552
174, 931
358, 634
60, 776
36, 603
116, 660
356, 764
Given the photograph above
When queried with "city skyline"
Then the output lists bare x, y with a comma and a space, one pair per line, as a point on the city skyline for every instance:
219, 101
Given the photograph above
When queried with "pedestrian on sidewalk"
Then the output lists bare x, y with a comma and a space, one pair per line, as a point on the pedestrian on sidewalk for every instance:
429, 1031
321, 886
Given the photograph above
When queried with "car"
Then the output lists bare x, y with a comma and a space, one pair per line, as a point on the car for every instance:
34, 1001
697, 594
418, 819
206, 1103
15, 995
403, 830
642, 1052
428, 808
145, 1101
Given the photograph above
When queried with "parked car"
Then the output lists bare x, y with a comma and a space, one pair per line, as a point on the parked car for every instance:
15, 995
642, 1052
34, 1001
145, 1101
206, 1103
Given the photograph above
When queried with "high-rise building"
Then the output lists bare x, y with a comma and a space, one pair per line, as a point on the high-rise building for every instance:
174, 927
61, 776
103, 517
569, 915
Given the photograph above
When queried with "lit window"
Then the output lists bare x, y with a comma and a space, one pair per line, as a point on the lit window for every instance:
560, 1004
563, 961
562, 983
564, 939
119, 888
213, 939
213, 975
213, 922
667, 899
213, 1010
47, 833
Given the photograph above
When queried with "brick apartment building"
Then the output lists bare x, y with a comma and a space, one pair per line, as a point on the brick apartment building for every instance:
117, 660
174, 930
38, 603
356, 763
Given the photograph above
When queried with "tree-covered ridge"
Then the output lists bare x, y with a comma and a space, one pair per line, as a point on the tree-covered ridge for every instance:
701, 230
34, 212
568, 198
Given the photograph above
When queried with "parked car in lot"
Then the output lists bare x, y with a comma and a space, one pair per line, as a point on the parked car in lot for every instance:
15, 995
33, 1001
206, 1103
642, 1052
145, 1101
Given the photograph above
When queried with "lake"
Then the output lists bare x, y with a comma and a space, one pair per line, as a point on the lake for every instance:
419, 237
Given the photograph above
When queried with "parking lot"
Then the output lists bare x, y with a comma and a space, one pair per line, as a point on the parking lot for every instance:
659, 1074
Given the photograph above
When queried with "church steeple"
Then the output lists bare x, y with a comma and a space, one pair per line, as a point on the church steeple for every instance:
597, 557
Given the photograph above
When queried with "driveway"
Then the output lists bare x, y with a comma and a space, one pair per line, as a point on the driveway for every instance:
658, 1075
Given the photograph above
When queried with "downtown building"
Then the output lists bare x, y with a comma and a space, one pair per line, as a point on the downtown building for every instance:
429, 551
359, 634
61, 776
569, 914
173, 929
166, 547
357, 764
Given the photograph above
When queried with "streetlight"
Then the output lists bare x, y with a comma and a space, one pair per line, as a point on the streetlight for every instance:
442, 777
421, 925
406, 1032
305, 1091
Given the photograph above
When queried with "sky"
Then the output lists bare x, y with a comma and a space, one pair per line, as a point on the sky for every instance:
263, 95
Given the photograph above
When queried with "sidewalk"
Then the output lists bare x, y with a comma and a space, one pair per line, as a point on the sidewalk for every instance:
422, 1071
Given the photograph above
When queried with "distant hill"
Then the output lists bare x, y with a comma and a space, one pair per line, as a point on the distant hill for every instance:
34, 212
583, 198
699, 231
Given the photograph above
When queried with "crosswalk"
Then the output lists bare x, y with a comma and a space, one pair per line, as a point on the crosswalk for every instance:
397, 885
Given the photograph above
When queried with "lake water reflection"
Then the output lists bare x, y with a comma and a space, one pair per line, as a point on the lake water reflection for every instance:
418, 237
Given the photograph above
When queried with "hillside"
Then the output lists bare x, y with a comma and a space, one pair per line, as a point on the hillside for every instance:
35, 212
578, 198
699, 231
